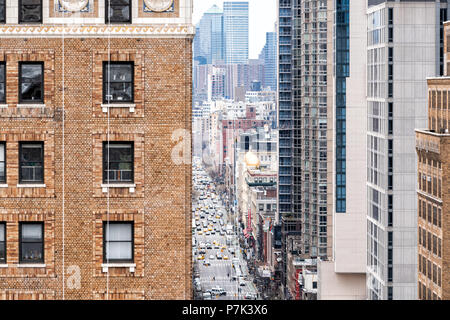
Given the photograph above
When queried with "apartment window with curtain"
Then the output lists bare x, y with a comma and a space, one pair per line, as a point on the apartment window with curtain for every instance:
118, 242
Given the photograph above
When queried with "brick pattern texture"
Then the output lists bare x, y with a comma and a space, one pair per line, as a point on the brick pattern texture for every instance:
161, 204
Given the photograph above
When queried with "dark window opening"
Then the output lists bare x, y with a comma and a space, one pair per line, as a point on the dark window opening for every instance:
2, 162
2, 82
31, 242
118, 82
118, 11
31, 82
118, 162
2, 243
30, 11
31, 162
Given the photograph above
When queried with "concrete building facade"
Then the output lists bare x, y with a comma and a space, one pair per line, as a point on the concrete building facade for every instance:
404, 42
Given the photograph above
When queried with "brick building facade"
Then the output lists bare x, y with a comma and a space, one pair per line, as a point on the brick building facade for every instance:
65, 209
433, 151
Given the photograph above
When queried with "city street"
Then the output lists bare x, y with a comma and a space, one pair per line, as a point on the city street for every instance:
216, 245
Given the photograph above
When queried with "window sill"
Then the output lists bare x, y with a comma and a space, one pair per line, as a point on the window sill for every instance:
3, 186
31, 185
31, 105
131, 186
37, 265
130, 106
3, 266
4, 106
106, 266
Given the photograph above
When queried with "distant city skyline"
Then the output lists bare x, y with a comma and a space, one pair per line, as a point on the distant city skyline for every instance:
262, 18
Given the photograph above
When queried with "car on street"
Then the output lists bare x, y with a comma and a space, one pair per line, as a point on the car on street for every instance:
211, 257
207, 296
225, 257
218, 291
206, 263
250, 296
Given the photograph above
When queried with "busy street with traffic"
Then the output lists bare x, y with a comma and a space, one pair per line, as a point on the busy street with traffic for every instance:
220, 271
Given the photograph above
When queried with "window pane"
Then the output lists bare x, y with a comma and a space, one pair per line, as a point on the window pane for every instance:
2, 11
31, 252
30, 10
118, 10
31, 82
119, 72
2, 232
119, 251
2, 152
118, 232
118, 162
31, 153
31, 232
120, 152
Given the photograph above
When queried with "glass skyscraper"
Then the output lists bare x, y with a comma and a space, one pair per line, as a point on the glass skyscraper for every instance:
235, 23
209, 41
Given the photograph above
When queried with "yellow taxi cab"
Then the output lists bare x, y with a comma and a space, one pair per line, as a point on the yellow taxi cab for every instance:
201, 258
200, 233
225, 258
209, 229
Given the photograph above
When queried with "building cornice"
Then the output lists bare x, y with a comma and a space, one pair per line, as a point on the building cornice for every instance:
84, 31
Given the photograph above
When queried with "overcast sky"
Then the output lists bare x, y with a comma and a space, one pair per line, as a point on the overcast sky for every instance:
262, 17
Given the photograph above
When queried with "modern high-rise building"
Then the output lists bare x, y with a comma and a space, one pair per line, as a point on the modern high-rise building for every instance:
305, 124
269, 56
343, 276
211, 36
405, 46
433, 150
235, 26
95, 199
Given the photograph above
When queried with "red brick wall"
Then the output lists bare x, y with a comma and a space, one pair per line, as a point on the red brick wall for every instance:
160, 204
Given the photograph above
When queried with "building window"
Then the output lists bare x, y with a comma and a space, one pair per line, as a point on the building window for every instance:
31, 82
118, 162
31, 242
118, 11
2, 162
2, 81
118, 82
2, 11
31, 162
118, 242
30, 11
2, 243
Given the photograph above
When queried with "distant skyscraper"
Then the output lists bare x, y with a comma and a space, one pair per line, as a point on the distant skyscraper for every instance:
236, 31
211, 36
269, 55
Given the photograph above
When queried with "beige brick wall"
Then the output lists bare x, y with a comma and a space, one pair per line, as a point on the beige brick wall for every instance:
162, 195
